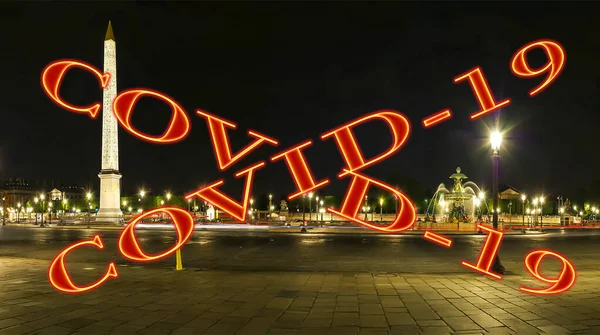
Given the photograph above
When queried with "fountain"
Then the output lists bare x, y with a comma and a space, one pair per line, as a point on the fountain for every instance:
460, 204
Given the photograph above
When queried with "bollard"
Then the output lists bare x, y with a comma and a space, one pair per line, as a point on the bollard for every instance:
179, 265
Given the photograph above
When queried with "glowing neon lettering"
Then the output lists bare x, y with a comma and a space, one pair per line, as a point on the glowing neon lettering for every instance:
437, 239
220, 140
437, 118
355, 195
53, 75
212, 195
299, 169
560, 284
130, 248
556, 62
482, 92
488, 253
179, 125
59, 276
348, 146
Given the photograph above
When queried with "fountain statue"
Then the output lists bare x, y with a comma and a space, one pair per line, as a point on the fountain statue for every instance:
461, 203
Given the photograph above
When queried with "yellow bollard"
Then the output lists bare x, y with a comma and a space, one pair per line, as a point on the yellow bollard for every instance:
179, 265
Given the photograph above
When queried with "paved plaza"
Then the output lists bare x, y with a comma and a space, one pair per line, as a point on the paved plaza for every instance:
163, 301
215, 299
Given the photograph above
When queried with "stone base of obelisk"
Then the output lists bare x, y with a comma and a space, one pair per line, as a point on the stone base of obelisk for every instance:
110, 198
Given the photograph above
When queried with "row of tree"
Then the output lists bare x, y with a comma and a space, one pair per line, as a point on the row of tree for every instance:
411, 187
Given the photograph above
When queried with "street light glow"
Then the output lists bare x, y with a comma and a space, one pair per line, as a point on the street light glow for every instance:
496, 140
523, 197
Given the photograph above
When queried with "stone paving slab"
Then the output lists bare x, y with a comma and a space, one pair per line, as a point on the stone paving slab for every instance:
163, 301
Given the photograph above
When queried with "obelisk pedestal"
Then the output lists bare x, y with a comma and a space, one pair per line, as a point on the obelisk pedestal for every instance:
110, 178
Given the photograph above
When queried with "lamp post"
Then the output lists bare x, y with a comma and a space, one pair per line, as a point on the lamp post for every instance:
141, 199
381, 209
65, 206
303, 208
534, 211
322, 211
310, 195
271, 202
3, 207
251, 210
495, 141
89, 199
541, 212
42, 199
316, 208
50, 212
18, 211
523, 198
365, 207
510, 211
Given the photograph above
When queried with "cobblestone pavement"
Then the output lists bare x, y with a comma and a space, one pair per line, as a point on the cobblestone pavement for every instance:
163, 301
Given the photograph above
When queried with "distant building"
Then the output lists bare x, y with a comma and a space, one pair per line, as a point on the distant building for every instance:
19, 190
508, 192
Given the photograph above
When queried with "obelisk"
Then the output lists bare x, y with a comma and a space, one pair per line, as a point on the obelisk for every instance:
110, 178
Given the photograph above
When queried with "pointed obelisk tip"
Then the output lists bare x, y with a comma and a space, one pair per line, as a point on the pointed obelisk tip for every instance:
109, 33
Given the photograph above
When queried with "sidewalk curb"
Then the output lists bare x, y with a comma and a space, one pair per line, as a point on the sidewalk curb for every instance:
274, 230
291, 229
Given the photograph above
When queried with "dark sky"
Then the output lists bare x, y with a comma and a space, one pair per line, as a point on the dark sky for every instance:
295, 70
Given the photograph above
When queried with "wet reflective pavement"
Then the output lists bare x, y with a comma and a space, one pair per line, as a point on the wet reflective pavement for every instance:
263, 251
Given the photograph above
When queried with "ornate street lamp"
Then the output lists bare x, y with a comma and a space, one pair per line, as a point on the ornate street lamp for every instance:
42, 199
523, 198
496, 141
541, 212
310, 195
18, 211
89, 199
322, 210
365, 206
3, 208
303, 208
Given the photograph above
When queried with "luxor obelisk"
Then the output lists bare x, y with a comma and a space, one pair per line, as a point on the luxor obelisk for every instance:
110, 178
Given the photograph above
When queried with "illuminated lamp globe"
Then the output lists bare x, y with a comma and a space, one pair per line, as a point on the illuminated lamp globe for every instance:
496, 140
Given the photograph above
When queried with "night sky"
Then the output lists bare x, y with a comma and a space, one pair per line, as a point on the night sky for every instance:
294, 71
